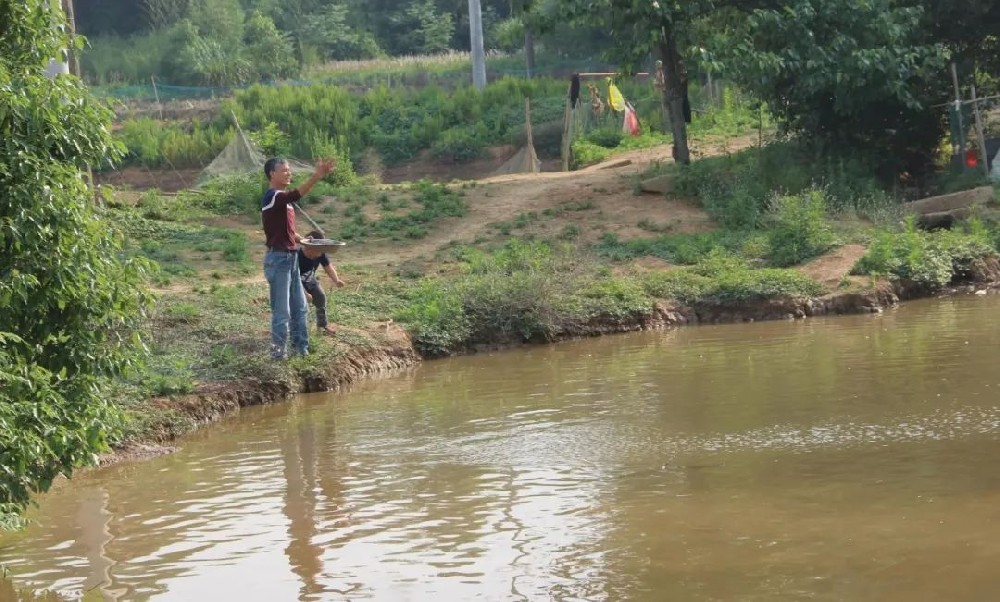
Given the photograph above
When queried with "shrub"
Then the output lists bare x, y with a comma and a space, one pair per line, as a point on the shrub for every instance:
682, 285
615, 298
435, 318
460, 145
158, 144
271, 141
228, 195
799, 229
587, 153
734, 281
930, 259
517, 292
680, 249
737, 190
606, 137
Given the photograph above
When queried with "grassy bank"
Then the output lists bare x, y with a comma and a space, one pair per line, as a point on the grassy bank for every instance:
507, 285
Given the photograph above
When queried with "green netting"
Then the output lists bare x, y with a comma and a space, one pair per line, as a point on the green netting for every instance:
241, 156
163, 93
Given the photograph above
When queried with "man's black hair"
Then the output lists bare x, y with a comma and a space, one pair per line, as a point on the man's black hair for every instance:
272, 164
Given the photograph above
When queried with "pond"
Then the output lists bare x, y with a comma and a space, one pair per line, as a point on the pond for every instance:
835, 458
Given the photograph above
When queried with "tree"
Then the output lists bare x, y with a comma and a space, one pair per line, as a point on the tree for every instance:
164, 13
639, 28
849, 75
71, 303
219, 20
268, 50
421, 28
119, 17
331, 33
970, 29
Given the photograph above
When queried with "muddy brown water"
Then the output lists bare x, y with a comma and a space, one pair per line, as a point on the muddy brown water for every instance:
839, 458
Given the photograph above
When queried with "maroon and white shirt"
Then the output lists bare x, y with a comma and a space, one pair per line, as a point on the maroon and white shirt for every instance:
278, 217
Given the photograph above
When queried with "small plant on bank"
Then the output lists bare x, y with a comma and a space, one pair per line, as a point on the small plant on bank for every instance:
435, 318
569, 232
235, 247
799, 229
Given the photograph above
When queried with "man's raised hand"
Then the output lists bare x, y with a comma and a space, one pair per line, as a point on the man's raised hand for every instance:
325, 166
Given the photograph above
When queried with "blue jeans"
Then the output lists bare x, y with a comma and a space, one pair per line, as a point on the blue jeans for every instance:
313, 287
288, 302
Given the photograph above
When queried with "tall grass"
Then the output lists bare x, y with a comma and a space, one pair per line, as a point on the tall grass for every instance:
737, 189
453, 59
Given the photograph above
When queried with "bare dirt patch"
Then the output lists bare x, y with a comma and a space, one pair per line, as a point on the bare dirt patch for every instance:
835, 266
597, 199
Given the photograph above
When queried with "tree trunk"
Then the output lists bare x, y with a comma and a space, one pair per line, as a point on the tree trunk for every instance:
674, 93
529, 52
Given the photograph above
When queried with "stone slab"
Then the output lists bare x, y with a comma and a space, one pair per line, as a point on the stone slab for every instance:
950, 202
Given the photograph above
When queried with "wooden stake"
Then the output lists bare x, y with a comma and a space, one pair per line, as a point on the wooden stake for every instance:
156, 95
980, 134
527, 121
567, 144
530, 148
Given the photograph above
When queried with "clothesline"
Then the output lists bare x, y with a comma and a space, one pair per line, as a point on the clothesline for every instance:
595, 74
965, 102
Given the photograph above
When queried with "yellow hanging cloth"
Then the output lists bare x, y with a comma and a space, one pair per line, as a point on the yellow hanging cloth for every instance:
615, 98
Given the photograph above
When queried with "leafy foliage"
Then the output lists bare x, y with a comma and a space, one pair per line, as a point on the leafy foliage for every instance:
329, 31
799, 230
929, 259
849, 74
268, 50
71, 303
733, 281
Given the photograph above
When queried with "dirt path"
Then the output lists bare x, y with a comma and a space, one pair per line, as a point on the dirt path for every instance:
594, 200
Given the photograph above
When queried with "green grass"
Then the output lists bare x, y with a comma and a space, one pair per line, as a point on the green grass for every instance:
426, 205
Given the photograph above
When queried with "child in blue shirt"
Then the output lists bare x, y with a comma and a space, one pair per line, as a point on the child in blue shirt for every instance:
309, 261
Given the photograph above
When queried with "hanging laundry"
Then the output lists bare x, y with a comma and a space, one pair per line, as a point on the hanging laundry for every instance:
615, 98
631, 123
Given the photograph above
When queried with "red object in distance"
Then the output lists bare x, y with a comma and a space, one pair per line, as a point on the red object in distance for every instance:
971, 158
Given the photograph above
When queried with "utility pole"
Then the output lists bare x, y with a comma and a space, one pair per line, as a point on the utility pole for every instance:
476, 37
72, 56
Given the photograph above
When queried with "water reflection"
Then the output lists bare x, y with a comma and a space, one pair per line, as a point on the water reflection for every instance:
833, 459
